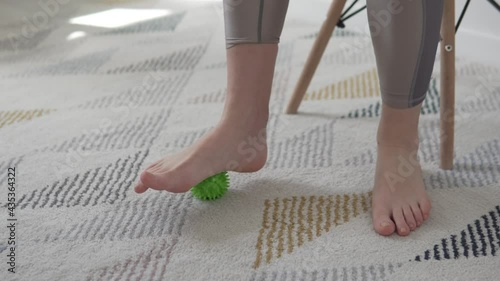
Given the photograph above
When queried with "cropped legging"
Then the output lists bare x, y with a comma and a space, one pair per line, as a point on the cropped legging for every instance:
404, 33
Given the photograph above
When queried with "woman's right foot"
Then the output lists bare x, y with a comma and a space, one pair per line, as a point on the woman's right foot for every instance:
231, 146
238, 143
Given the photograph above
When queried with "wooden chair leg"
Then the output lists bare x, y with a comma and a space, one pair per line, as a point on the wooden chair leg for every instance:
315, 55
447, 95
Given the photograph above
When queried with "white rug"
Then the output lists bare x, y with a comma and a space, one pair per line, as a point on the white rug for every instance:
79, 120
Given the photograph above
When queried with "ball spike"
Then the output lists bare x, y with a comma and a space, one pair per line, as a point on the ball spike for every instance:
212, 187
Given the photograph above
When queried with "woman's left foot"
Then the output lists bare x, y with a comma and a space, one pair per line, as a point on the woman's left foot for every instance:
400, 203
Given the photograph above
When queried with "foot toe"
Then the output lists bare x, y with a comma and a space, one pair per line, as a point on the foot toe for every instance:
140, 188
154, 165
156, 169
417, 213
410, 219
402, 227
383, 223
425, 207
151, 180
171, 181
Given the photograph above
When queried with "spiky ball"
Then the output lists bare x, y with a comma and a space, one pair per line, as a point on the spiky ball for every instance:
211, 188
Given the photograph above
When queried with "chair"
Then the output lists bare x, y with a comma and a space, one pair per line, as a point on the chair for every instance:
447, 87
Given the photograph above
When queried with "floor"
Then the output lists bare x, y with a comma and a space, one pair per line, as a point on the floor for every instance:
88, 103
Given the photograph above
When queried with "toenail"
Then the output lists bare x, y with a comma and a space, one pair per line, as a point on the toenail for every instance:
385, 224
403, 229
412, 226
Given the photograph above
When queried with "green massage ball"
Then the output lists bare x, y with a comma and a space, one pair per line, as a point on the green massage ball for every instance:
211, 188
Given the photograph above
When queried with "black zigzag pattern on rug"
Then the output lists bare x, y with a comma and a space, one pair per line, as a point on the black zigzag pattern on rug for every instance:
149, 265
146, 94
163, 24
313, 148
476, 169
152, 216
184, 59
5, 164
139, 133
480, 239
96, 186
86, 64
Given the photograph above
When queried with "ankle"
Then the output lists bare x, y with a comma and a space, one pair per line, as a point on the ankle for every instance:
399, 127
249, 120
404, 143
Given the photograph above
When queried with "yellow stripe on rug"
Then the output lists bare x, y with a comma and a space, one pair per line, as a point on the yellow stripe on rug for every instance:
287, 223
364, 85
10, 117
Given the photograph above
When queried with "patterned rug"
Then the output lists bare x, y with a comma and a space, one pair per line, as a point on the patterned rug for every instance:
80, 118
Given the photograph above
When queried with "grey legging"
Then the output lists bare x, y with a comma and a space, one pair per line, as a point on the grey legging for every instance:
404, 33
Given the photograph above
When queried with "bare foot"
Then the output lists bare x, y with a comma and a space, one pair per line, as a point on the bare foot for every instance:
228, 147
399, 201
238, 142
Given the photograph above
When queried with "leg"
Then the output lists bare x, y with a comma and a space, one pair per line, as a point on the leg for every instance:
405, 35
238, 142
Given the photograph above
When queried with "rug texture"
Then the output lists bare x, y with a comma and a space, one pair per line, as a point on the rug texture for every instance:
81, 118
